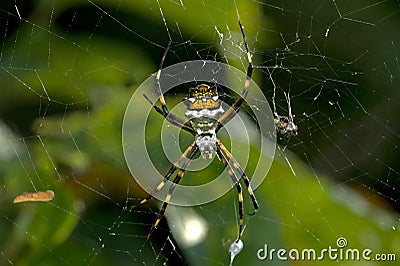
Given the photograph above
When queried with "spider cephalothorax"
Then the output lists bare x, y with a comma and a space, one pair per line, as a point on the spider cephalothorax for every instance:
206, 118
203, 97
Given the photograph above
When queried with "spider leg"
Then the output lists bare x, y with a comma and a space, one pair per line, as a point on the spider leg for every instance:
153, 104
164, 110
228, 168
157, 82
242, 175
235, 107
167, 176
170, 191
173, 119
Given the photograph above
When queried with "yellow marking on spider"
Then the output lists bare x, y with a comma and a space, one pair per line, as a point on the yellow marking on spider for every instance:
161, 185
240, 197
200, 104
143, 201
249, 57
162, 100
247, 83
156, 223
168, 197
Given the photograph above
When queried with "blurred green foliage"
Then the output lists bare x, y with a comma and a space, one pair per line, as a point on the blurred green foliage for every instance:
68, 71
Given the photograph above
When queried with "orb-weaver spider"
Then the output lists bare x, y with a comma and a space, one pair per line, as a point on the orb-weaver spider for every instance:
206, 118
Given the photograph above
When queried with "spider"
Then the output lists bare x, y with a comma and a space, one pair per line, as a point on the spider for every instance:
206, 118
284, 125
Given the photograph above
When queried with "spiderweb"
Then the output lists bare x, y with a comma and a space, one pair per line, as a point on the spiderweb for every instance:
68, 70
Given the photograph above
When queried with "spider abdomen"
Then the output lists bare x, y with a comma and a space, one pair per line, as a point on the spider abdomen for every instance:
207, 144
205, 128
